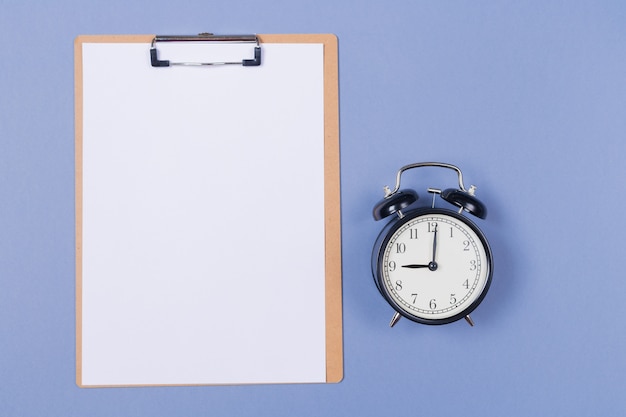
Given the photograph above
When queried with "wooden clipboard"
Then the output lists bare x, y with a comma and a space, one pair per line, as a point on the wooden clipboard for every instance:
107, 326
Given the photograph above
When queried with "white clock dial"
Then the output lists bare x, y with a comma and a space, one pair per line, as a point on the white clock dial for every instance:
435, 267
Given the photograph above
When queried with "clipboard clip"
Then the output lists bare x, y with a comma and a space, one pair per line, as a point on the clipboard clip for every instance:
206, 37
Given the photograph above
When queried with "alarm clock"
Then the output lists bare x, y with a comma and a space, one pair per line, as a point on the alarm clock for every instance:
433, 265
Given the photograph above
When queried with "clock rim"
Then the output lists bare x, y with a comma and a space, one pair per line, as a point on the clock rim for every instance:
386, 234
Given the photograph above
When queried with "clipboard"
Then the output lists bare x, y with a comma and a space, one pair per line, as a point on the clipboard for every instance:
208, 237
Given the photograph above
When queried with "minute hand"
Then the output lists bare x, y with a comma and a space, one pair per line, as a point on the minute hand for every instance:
433, 264
434, 245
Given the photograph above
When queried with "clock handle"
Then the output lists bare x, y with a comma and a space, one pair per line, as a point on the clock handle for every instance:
461, 197
427, 164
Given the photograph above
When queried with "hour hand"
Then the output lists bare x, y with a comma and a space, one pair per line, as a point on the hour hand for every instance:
414, 266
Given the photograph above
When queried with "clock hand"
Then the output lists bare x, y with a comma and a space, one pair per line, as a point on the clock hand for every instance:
433, 264
435, 243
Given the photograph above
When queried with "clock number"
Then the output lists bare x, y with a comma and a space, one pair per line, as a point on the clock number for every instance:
432, 227
452, 298
466, 284
433, 304
413, 234
414, 295
399, 285
473, 265
392, 266
451, 231
466, 245
400, 248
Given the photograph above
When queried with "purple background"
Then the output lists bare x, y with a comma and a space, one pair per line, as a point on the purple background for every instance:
528, 98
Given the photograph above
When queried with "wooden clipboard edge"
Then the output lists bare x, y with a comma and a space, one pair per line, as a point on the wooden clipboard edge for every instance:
332, 188
78, 195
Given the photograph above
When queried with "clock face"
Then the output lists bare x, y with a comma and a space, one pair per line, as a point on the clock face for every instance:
434, 266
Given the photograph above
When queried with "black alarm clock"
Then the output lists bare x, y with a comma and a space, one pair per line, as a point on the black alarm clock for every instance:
432, 265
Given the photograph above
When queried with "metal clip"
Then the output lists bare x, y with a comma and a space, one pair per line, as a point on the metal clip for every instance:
206, 37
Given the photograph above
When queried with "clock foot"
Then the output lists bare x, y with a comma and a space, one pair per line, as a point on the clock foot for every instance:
396, 317
469, 320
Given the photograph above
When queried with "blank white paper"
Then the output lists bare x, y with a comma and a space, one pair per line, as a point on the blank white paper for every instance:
203, 217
